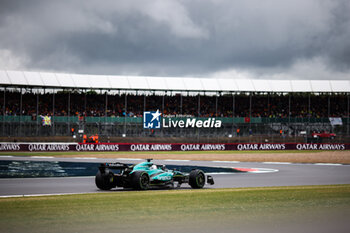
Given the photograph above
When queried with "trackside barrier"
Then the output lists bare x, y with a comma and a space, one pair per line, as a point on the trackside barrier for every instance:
169, 147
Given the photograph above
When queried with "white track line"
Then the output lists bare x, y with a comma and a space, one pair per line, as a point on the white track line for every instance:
129, 159
177, 160
217, 161
53, 178
263, 170
84, 158
41, 195
276, 163
6, 156
328, 164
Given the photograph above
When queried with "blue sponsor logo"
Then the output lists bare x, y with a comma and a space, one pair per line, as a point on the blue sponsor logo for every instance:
151, 120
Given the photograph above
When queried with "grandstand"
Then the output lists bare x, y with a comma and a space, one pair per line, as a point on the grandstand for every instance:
113, 106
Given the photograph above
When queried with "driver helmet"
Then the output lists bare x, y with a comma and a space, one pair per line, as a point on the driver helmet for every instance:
153, 167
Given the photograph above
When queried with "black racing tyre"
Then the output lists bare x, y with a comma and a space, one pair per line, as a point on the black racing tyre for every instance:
196, 179
140, 180
104, 181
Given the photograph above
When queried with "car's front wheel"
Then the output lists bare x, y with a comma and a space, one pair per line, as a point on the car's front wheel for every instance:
197, 179
140, 180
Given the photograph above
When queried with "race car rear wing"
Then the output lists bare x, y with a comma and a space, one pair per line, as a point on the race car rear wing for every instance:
117, 165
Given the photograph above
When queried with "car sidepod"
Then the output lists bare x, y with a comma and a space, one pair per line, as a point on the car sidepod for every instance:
162, 177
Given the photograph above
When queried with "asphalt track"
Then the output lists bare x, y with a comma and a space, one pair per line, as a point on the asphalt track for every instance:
283, 174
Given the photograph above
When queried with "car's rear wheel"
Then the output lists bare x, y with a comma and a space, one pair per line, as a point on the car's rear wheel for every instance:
105, 181
140, 180
197, 179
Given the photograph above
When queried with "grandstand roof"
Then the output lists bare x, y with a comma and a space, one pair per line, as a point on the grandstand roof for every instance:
80, 81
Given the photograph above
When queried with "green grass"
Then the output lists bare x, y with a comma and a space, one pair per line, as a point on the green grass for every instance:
174, 210
151, 152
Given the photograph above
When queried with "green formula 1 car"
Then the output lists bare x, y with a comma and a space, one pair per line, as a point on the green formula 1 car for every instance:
144, 175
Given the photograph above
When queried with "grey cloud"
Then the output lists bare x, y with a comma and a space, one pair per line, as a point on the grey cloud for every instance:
174, 37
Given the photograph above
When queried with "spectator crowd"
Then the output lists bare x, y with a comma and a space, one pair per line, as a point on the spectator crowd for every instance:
95, 104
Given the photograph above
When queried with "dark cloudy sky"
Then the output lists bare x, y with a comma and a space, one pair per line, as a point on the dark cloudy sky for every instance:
271, 39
